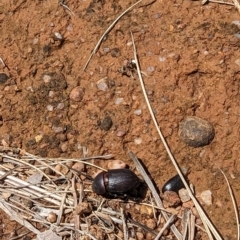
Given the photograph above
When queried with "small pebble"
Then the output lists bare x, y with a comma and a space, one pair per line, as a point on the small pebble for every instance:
148, 236
46, 78
138, 112
171, 199
102, 84
120, 133
70, 135
157, 15
52, 217
6, 88
119, 101
3, 78
137, 141
236, 22
184, 195
206, 197
69, 27
150, 69
29, 50
116, 164
139, 235
50, 108
64, 147
77, 94
35, 41
30, 89
83, 208
237, 61
106, 123
60, 106
196, 132
162, 59
151, 223
78, 166
57, 129
51, 94
58, 36
129, 44
146, 211
106, 49
237, 35
38, 138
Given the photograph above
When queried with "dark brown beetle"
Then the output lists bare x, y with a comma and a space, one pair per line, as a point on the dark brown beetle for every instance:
119, 183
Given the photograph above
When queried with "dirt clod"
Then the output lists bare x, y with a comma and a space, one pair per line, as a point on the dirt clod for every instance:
116, 164
3, 78
171, 199
106, 123
77, 94
196, 132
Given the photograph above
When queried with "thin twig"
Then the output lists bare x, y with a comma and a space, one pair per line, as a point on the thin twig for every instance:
106, 32
234, 204
66, 7
37, 191
18, 218
4, 65
207, 223
154, 192
237, 5
76, 216
221, 2
20, 236
192, 226
26, 163
166, 225
125, 231
185, 220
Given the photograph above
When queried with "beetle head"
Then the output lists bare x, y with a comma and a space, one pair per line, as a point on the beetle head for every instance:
98, 185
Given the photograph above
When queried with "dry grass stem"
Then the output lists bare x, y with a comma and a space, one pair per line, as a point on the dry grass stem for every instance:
76, 216
192, 226
18, 218
221, 2
234, 204
154, 193
107, 31
66, 7
29, 194
125, 232
2, 62
185, 220
210, 229
25, 163
166, 225
237, 5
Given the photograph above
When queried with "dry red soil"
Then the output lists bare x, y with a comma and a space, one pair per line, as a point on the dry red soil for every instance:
190, 59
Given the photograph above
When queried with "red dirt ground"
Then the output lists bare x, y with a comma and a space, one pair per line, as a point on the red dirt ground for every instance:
192, 61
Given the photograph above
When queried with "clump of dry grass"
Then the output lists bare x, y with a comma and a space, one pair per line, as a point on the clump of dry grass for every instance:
53, 199
43, 194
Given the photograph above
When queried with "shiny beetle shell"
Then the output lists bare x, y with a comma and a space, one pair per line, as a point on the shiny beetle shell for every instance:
115, 181
173, 184
121, 181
